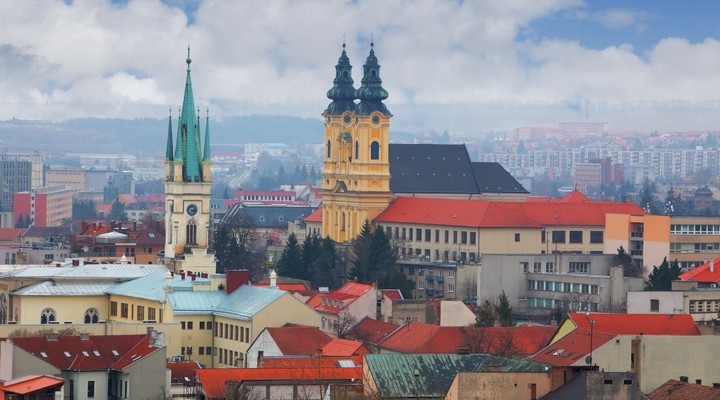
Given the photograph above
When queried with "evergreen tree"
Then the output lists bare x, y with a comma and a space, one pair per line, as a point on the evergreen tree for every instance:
324, 267
117, 210
486, 314
648, 200
310, 253
381, 254
504, 311
361, 268
630, 268
660, 279
290, 263
227, 251
396, 279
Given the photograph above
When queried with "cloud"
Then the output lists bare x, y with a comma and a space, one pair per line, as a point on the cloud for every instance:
96, 58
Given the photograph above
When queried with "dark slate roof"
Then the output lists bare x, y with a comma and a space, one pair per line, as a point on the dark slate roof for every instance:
430, 375
270, 216
491, 177
431, 168
447, 169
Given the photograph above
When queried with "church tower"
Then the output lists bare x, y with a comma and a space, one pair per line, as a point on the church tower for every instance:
187, 189
356, 167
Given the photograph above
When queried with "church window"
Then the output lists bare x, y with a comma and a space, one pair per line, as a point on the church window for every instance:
375, 151
191, 232
357, 149
47, 316
328, 149
92, 316
342, 222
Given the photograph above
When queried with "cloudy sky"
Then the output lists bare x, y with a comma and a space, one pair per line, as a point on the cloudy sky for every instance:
461, 65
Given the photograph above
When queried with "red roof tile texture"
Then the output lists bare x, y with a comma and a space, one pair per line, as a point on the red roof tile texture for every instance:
299, 340
30, 384
677, 390
343, 347
181, 370
316, 216
635, 324
572, 348
213, 380
371, 331
308, 362
706, 273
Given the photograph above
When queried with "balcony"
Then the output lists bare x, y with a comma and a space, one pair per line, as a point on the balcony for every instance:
429, 278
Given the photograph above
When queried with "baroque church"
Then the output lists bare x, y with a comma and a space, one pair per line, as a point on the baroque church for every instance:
188, 181
363, 172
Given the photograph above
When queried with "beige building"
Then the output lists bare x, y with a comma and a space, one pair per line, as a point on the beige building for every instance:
703, 304
694, 240
70, 178
587, 175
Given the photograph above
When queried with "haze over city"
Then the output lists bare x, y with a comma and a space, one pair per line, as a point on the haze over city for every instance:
465, 66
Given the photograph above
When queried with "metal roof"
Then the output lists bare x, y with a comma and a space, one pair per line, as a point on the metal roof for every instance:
195, 302
152, 287
87, 271
246, 301
48, 288
430, 375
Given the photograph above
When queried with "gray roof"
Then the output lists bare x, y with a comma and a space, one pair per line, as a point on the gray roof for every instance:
430, 375
246, 301
87, 271
201, 302
268, 216
50, 288
445, 168
152, 287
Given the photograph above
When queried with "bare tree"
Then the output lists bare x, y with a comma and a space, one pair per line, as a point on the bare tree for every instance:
345, 322
469, 288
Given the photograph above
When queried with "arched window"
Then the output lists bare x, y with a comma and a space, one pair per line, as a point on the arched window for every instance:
92, 316
47, 316
328, 149
357, 149
375, 151
191, 232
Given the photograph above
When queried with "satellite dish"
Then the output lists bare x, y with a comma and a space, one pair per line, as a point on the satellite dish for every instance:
588, 360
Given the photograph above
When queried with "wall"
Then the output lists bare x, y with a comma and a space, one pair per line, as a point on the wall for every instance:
264, 343
67, 308
148, 379
498, 385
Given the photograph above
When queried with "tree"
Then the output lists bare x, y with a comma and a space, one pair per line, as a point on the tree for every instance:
630, 268
117, 210
648, 200
84, 209
485, 314
660, 279
290, 263
361, 268
323, 271
469, 288
238, 246
504, 311
396, 279
226, 248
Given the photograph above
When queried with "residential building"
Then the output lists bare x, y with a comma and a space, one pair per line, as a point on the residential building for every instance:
599, 385
694, 240
122, 366
18, 172
70, 178
342, 308
289, 340
646, 237
682, 389
587, 176
32, 386
47, 206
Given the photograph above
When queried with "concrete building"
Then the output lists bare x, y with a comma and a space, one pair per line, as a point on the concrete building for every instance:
694, 240
48, 206
17, 172
72, 178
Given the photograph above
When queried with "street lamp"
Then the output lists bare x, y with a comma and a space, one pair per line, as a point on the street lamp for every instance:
589, 358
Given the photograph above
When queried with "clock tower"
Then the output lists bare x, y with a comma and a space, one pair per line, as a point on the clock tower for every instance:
187, 189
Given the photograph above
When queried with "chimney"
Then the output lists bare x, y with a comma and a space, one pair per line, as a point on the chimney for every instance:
75, 263
698, 381
684, 379
193, 277
236, 278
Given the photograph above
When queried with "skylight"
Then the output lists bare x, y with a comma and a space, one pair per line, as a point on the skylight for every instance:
67, 354
115, 353
43, 354
97, 353
151, 235
85, 353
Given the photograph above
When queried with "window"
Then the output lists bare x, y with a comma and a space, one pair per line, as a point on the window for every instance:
411, 271
463, 237
579, 267
517, 237
447, 236
47, 316
113, 308
420, 285
451, 287
537, 267
182, 325
374, 151
654, 305
247, 335
124, 310
151, 313
140, 313
328, 149
403, 233
596, 236
92, 316
473, 237
454, 236
421, 271
525, 266
411, 230
418, 234
91, 389
201, 351
427, 235
437, 235
558, 236
190, 325
202, 325
451, 273
549, 267
576, 237
357, 149
209, 325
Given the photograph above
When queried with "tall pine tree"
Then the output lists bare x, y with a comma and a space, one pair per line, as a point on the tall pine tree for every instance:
290, 263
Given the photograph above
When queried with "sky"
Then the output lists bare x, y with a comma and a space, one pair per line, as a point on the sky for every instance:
467, 65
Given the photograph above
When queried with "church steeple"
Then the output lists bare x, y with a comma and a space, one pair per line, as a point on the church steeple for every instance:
187, 146
342, 93
169, 151
206, 147
371, 93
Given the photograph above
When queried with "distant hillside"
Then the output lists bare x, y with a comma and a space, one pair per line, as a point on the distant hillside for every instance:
148, 135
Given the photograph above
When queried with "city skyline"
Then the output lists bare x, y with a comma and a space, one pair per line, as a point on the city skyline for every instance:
464, 66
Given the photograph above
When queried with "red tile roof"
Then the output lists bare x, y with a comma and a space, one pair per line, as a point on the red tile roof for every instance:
417, 337
316, 216
346, 294
288, 287
635, 324
298, 339
213, 380
706, 273
309, 362
571, 348
343, 347
181, 370
30, 384
677, 390
10, 234
486, 214
94, 353
371, 331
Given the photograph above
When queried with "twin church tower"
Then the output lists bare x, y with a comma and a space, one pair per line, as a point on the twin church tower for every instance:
356, 168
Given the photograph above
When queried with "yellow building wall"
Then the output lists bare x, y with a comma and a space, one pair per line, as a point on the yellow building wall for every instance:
162, 314
67, 308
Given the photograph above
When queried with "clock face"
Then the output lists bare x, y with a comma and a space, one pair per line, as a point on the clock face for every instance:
192, 210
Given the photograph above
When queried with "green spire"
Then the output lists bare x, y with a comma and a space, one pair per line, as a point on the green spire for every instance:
187, 146
342, 93
371, 93
206, 148
169, 149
